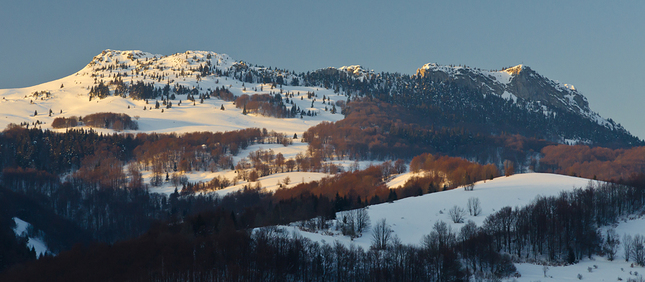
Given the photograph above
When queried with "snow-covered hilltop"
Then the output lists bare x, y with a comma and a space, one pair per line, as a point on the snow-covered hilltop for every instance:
189, 77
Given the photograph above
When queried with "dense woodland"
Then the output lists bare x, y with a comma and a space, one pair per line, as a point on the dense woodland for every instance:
360, 188
100, 195
111, 201
269, 105
108, 201
379, 130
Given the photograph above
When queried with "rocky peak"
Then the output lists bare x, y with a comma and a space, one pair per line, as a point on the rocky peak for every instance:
514, 70
518, 82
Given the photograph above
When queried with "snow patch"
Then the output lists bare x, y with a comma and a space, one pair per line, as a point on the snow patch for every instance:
37, 243
501, 76
509, 96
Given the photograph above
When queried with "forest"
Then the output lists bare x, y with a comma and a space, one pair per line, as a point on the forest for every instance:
111, 204
105, 198
218, 246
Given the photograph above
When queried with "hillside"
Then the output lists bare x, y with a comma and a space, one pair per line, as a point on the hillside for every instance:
488, 116
412, 218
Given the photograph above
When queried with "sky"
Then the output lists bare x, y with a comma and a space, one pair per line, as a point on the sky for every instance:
597, 46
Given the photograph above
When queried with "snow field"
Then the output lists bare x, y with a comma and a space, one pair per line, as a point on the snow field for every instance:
412, 218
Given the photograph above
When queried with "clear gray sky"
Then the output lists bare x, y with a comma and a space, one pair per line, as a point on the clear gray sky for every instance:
598, 46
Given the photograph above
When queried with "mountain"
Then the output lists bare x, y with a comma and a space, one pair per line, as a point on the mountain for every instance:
515, 100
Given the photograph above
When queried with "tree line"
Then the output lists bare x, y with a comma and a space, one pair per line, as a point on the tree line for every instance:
114, 121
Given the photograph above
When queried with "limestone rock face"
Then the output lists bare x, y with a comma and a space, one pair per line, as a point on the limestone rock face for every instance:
528, 84
518, 82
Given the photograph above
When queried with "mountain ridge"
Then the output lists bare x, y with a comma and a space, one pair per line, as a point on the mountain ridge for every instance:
519, 81
199, 72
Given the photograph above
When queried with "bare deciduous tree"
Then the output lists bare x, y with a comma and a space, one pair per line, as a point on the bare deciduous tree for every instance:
627, 246
610, 245
638, 249
362, 220
474, 206
354, 222
441, 237
456, 214
509, 168
381, 235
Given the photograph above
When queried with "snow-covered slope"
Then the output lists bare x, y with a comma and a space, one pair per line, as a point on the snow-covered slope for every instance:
197, 71
412, 218
68, 96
